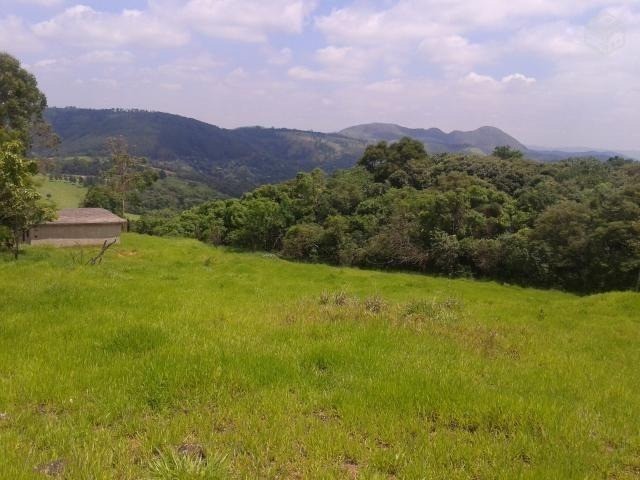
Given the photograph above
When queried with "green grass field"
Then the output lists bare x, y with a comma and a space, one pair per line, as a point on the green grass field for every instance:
63, 194
283, 370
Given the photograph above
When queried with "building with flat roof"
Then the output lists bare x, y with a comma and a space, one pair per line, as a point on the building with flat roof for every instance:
78, 226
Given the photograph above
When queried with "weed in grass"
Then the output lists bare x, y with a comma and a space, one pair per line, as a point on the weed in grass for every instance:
341, 298
375, 304
325, 298
542, 315
442, 311
172, 465
192, 450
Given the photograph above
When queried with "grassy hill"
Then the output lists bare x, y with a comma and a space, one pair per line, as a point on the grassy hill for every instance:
283, 370
63, 194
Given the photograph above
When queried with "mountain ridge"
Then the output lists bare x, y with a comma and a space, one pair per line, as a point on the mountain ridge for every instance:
481, 140
231, 160
237, 160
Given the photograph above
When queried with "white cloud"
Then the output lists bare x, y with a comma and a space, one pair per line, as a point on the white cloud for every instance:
199, 67
42, 3
400, 23
85, 27
240, 20
15, 36
554, 41
344, 60
416, 19
454, 51
474, 78
337, 64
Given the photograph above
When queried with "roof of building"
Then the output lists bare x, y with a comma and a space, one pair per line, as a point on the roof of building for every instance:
72, 216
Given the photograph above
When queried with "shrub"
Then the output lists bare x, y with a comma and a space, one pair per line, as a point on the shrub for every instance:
302, 242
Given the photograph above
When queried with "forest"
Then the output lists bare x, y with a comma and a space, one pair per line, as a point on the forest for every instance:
572, 225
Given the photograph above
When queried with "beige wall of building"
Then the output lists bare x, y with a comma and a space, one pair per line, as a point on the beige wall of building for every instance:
69, 235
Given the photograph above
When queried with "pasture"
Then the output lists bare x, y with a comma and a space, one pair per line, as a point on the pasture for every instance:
177, 360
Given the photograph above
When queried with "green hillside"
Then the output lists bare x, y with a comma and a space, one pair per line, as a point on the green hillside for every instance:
64, 194
284, 370
230, 161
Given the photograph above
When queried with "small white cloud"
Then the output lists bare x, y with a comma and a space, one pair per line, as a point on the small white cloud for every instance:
279, 57
304, 73
105, 82
47, 62
514, 79
393, 85
518, 78
107, 56
132, 13
195, 68
477, 79
237, 74
171, 86
52, 65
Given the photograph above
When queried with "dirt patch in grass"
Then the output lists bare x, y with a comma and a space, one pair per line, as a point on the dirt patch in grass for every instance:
52, 469
192, 450
351, 467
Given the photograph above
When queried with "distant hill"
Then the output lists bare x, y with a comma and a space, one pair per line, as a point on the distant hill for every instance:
483, 140
232, 161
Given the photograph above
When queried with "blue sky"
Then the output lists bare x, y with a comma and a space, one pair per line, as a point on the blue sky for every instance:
550, 72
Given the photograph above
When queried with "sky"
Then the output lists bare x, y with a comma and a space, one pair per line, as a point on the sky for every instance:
560, 73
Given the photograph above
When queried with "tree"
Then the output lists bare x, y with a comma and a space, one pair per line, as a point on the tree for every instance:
100, 196
260, 223
21, 102
128, 173
302, 241
505, 152
384, 160
20, 206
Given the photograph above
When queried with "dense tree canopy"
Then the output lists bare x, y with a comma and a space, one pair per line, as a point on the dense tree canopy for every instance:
21, 102
573, 225
21, 107
20, 206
